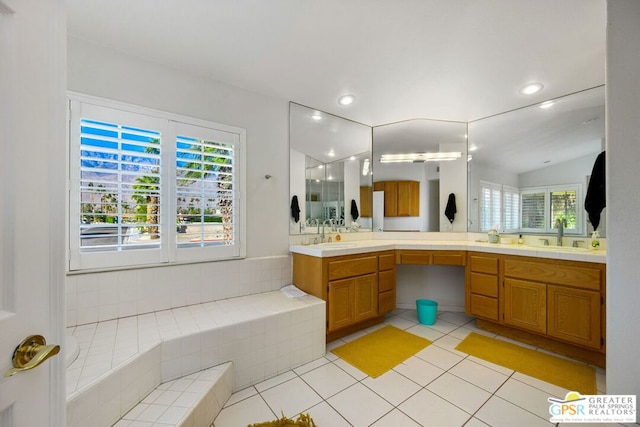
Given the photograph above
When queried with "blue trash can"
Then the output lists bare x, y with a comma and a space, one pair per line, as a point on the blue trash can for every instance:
427, 310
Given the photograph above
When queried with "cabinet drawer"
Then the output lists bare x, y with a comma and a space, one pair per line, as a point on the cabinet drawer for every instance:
484, 284
352, 267
448, 258
387, 302
559, 274
483, 264
387, 280
386, 262
486, 307
418, 257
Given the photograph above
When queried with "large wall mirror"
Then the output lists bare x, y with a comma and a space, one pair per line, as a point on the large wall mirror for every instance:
330, 171
420, 168
530, 167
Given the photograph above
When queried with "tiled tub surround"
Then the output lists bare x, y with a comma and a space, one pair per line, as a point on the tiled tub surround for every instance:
123, 360
98, 296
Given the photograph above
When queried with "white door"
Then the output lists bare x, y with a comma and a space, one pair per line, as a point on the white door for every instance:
32, 194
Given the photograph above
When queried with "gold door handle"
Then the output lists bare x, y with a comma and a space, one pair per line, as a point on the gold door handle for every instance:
31, 352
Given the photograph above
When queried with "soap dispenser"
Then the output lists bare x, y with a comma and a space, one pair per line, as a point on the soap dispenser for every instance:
520, 239
595, 239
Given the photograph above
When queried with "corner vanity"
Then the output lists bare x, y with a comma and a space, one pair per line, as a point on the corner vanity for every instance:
552, 297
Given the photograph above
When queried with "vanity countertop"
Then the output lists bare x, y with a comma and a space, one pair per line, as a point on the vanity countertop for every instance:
374, 245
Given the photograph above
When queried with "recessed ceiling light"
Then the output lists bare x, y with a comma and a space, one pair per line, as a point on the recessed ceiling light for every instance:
473, 147
316, 116
547, 104
531, 88
346, 99
331, 153
352, 158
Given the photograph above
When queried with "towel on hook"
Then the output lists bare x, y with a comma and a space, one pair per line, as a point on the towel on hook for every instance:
354, 210
595, 200
450, 210
295, 209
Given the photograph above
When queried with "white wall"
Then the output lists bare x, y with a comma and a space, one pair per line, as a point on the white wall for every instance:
97, 71
570, 172
453, 179
623, 198
441, 283
100, 72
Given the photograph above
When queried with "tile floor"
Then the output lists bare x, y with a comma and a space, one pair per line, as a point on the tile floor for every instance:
439, 387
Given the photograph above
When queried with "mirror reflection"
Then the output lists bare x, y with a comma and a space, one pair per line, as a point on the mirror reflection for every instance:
530, 167
330, 171
419, 166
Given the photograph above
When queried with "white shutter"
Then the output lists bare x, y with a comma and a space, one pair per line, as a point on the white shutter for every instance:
490, 206
208, 192
511, 198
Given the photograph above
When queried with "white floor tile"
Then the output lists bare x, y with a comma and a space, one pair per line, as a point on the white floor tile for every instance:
350, 369
461, 393
272, 382
418, 370
241, 395
399, 322
392, 387
395, 418
248, 411
474, 422
301, 370
328, 380
443, 359
324, 415
430, 410
291, 397
425, 332
497, 412
359, 405
525, 396
477, 374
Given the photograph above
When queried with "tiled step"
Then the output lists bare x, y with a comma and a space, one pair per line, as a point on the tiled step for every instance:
190, 401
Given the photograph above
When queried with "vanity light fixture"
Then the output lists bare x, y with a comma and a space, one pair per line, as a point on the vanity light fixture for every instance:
531, 88
346, 99
547, 104
419, 157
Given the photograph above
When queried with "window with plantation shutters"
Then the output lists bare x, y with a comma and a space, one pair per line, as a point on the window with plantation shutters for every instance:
148, 187
511, 209
490, 206
533, 210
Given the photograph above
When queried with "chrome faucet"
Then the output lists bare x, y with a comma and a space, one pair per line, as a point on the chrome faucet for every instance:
560, 224
545, 242
323, 224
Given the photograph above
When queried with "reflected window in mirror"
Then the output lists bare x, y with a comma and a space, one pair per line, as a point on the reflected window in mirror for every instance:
529, 167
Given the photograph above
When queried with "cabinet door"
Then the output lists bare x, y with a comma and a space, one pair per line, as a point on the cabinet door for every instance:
366, 202
366, 297
340, 301
574, 315
525, 305
408, 198
391, 198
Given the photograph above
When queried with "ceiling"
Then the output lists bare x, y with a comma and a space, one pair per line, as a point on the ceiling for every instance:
458, 60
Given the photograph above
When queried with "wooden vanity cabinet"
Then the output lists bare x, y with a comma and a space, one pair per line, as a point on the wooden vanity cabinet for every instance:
401, 198
386, 282
358, 289
482, 290
562, 299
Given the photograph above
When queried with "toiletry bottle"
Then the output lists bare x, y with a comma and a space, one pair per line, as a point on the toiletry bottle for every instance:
520, 239
595, 242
